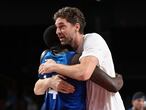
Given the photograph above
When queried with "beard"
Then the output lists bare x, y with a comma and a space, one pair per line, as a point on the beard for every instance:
65, 41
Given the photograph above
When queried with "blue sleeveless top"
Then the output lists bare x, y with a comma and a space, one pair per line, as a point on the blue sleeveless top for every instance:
60, 101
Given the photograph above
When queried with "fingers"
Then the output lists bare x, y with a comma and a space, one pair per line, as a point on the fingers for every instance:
42, 69
66, 87
62, 77
60, 85
119, 76
47, 66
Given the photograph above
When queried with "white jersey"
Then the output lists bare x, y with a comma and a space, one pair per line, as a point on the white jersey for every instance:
97, 97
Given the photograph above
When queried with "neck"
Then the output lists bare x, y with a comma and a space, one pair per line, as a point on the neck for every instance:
79, 48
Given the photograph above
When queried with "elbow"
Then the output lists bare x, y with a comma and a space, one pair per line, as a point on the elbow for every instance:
84, 76
38, 88
35, 91
38, 92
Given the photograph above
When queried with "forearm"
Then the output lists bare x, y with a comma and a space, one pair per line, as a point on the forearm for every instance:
104, 80
41, 86
101, 78
73, 71
81, 71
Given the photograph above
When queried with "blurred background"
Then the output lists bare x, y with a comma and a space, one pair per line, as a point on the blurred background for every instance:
22, 23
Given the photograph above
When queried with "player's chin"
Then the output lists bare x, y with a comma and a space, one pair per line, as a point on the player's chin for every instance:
63, 43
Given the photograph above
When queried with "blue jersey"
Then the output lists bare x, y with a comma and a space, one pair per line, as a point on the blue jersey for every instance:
60, 101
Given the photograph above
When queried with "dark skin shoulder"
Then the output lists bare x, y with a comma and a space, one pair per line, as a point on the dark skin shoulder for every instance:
101, 78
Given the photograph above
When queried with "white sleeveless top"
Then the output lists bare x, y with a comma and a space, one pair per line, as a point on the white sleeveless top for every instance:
97, 97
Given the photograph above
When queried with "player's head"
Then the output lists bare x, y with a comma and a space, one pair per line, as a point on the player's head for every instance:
72, 15
70, 24
51, 40
138, 100
50, 37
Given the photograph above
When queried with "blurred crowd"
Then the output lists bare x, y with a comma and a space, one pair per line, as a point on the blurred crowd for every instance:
17, 96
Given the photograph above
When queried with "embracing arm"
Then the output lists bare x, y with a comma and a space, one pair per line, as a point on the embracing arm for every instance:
101, 78
104, 80
41, 86
83, 71
55, 82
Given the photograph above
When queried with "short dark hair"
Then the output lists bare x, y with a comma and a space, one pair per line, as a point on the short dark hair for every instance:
50, 37
138, 95
72, 15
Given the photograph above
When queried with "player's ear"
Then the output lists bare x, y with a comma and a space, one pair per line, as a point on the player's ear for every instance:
77, 26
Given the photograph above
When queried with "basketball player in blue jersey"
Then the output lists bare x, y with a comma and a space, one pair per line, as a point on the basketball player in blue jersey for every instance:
62, 101
111, 84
